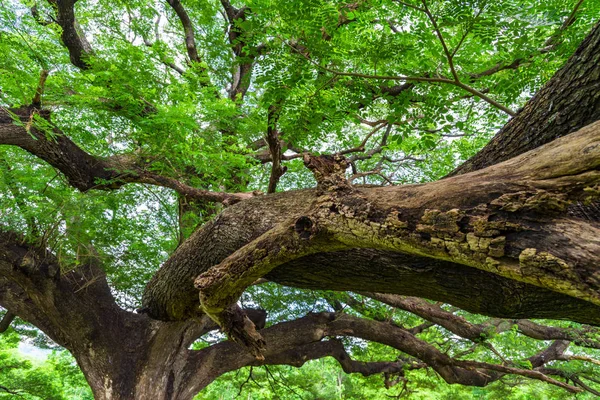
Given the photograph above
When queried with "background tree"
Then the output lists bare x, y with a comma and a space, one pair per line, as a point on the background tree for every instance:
140, 135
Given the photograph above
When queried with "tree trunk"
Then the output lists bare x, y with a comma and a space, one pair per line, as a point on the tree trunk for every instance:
122, 355
567, 103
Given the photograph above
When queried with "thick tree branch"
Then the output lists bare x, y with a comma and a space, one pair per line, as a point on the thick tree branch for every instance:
553, 352
585, 336
221, 286
291, 343
190, 42
84, 171
114, 348
542, 181
475, 220
72, 36
449, 369
334, 348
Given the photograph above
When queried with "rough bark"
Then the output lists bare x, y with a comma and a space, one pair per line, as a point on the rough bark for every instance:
76, 310
125, 355
507, 220
470, 289
169, 295
72, 36
567, 103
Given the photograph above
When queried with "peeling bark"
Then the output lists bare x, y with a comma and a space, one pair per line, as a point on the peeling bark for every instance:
507, 220
124, 355
497, 235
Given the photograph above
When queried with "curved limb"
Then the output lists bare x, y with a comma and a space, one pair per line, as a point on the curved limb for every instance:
223, 284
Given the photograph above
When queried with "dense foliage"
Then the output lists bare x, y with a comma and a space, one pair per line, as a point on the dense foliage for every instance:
408, 90
56, 377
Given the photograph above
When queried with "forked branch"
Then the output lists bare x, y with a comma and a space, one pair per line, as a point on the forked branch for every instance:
18, 127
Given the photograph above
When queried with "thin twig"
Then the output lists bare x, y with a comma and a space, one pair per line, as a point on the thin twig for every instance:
568, 22
361, 146
438, 32
37, 98
409, 5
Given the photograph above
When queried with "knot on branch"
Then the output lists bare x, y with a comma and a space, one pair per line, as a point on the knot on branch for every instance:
328, 170
304, 227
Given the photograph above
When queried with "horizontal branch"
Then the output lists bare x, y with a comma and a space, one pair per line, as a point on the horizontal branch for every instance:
84, 171
585, 336
439, 233
484, 229
549, 45
295, 342
447, 81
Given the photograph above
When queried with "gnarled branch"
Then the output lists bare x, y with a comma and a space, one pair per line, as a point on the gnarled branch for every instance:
83, 170
72, 35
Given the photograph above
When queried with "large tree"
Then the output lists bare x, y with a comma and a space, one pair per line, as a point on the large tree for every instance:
146, 132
